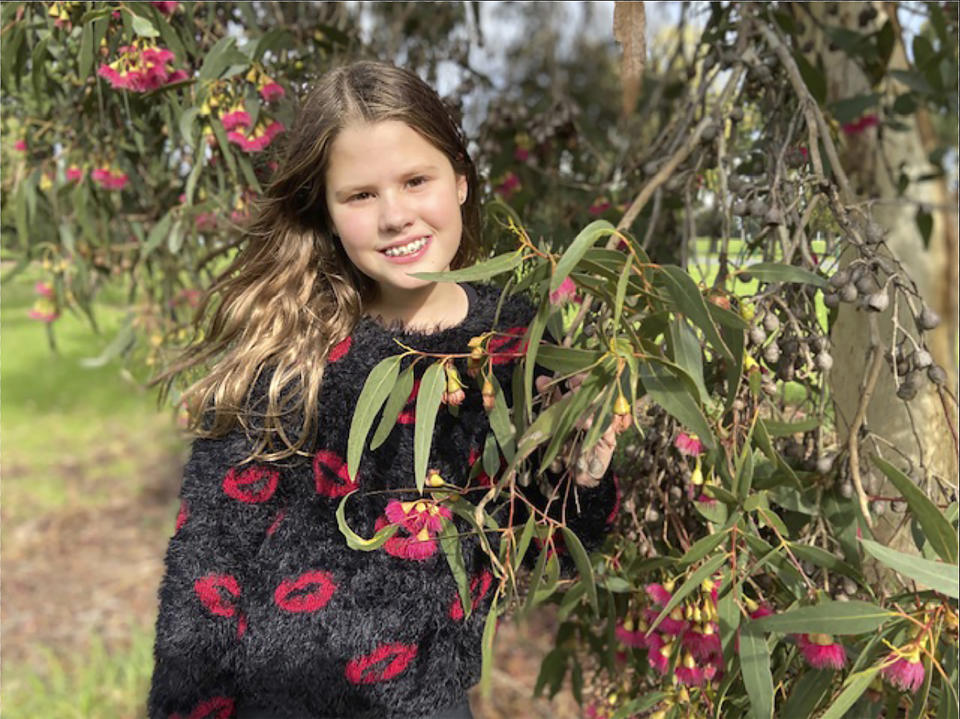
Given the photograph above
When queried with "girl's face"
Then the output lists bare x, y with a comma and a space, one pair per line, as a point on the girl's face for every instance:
385, 185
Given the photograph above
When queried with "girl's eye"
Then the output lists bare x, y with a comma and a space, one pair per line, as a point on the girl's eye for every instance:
359, 196
418, 180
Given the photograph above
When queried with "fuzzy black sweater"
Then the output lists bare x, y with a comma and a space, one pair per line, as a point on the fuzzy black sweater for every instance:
264, 605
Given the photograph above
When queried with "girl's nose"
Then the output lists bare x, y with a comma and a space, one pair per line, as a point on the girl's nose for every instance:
395, 213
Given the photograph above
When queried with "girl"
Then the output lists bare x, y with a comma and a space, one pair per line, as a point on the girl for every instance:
265, 612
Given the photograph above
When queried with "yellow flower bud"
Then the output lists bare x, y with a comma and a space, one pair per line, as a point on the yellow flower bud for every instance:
434, 510
688, 661
453, 379
751, 605
820, 639
434, 479
707, 585
475, 342
747, 310
421, 507
612, 699
621, 406
252, 74
697, 614
628, 624
669, 585
708, 629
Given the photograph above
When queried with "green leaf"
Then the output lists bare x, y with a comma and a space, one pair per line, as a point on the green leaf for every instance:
939, 531
273, 39
670, 393
395, 403
552, 671
936, 575
450, 543
693, 581
852, 108
566, 360
575, 252
375, 391
702, 547
486, 644
689, 300
480, 271
812, 77
85, 61
688, 355
774, 272
428, 402
924, 225
582, 560
828, 617
854, 687
755, 669
806, 694
825, 559
914, 80
524, 543
783, 429
639, 705
120, 343
186, 124
536, 575
219, 58
143, 27
355, 541
158, 233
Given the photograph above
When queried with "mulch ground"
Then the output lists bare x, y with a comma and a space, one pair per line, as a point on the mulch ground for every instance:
94, 571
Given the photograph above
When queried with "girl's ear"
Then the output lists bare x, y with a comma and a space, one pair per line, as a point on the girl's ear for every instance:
462, 188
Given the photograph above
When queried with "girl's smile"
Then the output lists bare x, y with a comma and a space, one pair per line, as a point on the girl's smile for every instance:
389, 189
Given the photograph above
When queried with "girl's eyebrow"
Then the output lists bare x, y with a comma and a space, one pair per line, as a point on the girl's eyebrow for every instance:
349, 190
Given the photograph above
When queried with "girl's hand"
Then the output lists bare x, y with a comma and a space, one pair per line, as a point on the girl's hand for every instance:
591, 467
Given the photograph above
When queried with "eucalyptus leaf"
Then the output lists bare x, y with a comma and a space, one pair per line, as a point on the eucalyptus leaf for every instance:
936, 575
828, 617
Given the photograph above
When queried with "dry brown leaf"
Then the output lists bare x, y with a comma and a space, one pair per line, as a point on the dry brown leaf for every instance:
629, 30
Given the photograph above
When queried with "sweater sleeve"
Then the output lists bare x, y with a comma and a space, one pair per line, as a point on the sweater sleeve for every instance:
225, 512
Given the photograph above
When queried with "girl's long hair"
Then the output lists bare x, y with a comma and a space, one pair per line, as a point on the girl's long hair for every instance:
291, 293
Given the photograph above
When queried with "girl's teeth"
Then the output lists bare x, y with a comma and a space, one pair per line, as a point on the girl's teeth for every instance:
406, 249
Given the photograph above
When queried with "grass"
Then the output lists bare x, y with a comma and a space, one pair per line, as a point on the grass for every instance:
99, 685
60, 418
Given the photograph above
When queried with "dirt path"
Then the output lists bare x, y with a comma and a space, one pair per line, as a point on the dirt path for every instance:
76, 573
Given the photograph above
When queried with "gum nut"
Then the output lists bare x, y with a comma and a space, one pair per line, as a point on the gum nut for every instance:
773, 217
757, 335
839, 279
556, 466
650, 168
770, 322
927, 319
906, 391
824, 361
758, 208
771, 353
849, 586
937, 375
831, 300
878, 508
848, 293
739, 208
846, 489
824, 464
874, 233
922, 359
736, 114
866, 284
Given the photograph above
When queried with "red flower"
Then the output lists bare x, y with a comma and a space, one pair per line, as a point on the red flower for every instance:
74, 174
234, 119
860, 124
521, 154
109, 180
566, 291
510, 184
689, 444
599, 206
259, 140
167, 8
141, 70
821, 651
420, 521
907, 672
271, 91
20, 145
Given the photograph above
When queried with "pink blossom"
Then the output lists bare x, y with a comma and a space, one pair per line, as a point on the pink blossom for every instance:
421, 521
141, 70
821, 651
510, 184
167, 8
521, 154
658, 594
205, 221
671, 625
762, 611
566, 291
260, 140
658, 659
43, 316
271, 91
906, 673
42, 288
703, 646
20, 145
234, 119
691, 676
44, 310
689, 444
74, 174
599, 206
631, 637
109, 180
860, 124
